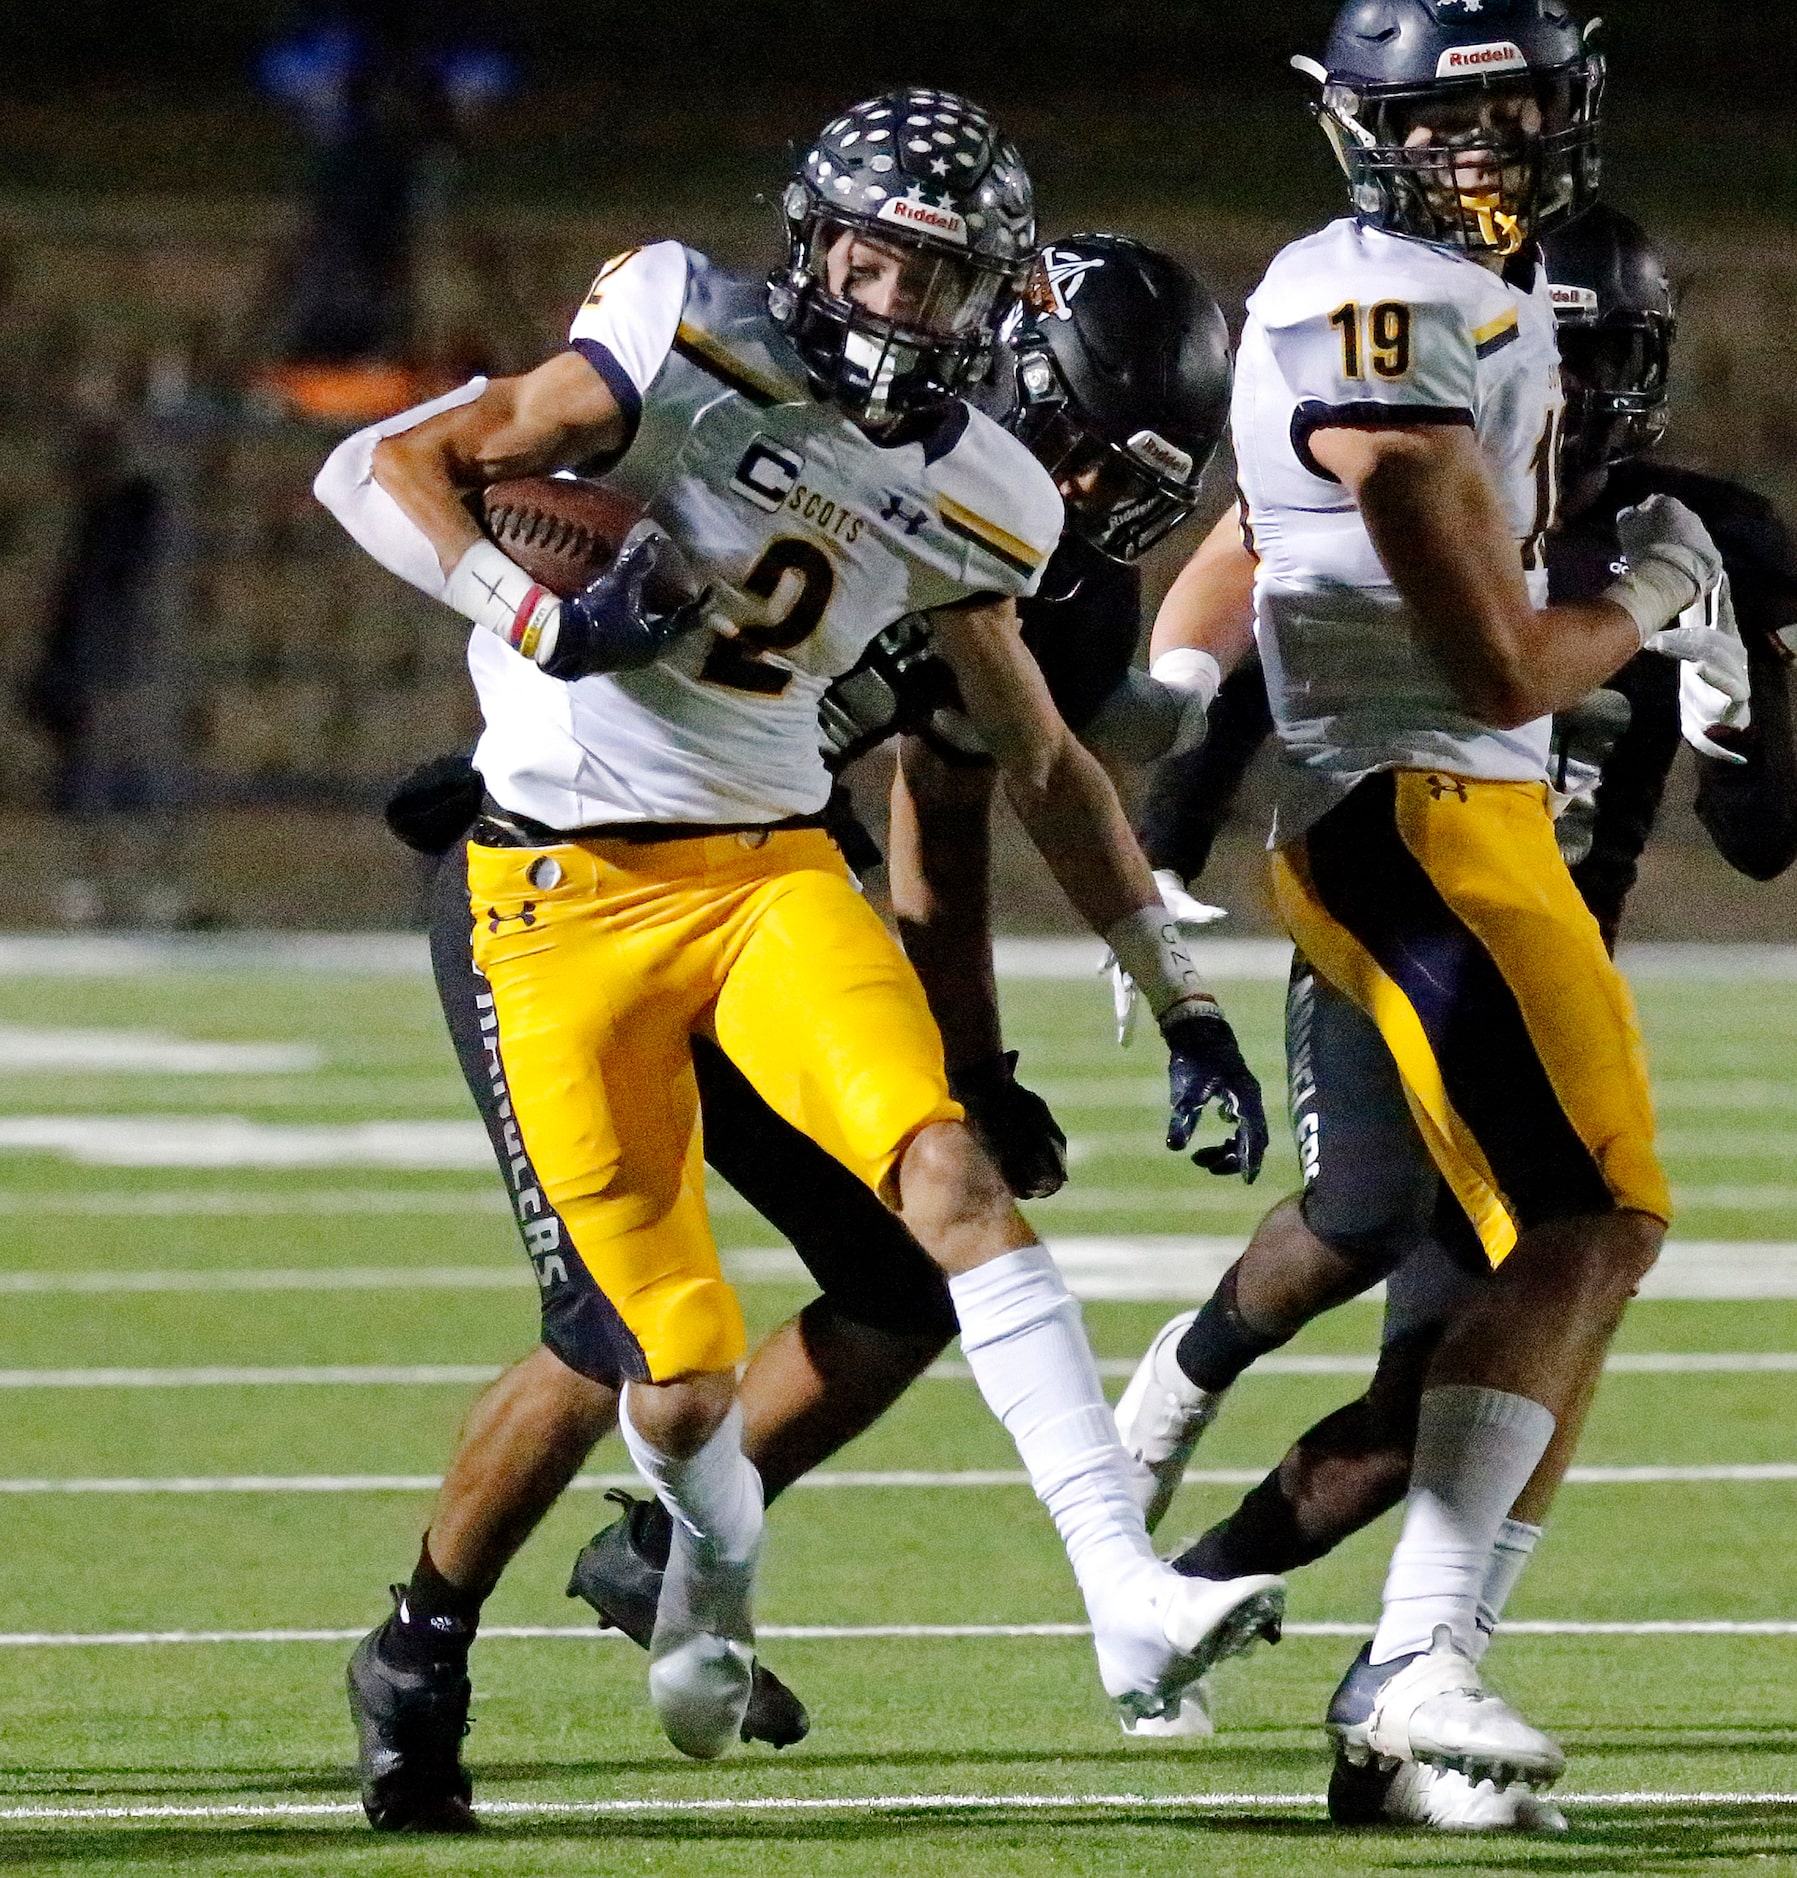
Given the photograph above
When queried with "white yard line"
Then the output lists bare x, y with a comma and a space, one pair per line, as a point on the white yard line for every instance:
946, 1805
434, 1375
228, 1203
28, 1049
831, 1479
850, 1633
943, 1805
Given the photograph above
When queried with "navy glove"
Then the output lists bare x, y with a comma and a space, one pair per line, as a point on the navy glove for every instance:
607, 627
1015, 1124
1205, 1065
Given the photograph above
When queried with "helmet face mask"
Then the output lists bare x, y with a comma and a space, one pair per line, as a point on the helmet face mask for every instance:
1485, 161
1116, 499
910, 227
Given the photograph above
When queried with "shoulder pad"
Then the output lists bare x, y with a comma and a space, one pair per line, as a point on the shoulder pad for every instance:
1346, 262
993, 495
725, 330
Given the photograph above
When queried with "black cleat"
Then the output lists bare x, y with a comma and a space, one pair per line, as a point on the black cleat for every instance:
1359, 1782
410, 1724
619, 1574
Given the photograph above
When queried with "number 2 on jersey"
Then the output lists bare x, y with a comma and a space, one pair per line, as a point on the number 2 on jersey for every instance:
736, 662
1387, 338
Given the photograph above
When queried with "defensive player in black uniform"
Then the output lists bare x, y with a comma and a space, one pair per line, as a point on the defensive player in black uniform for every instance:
1116, 373
1616, 323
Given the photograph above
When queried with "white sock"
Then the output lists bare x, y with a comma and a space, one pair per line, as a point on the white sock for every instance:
1024, 1340
1475, 1451
715, 1495
1510, 1552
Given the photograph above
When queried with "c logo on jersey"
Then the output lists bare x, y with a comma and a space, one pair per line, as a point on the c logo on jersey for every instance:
768, 474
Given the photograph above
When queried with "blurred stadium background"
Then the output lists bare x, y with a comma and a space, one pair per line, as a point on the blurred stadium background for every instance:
230, 231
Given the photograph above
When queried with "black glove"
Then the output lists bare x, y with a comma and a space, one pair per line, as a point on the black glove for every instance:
1015, 1125
1205, 1065
606, 627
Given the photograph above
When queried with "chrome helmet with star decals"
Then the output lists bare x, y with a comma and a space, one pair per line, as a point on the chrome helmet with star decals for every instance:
1472, 123
911, 227
1115, 372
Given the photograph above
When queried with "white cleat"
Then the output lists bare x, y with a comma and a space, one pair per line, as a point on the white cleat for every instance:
1201, 1622
1437, 1710
1190, 1721
1160, 1417
1449, 1802
702, 1652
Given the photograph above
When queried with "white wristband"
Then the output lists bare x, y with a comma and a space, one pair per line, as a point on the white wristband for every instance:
1151, 949
490, 588
1653, 593
1186, 669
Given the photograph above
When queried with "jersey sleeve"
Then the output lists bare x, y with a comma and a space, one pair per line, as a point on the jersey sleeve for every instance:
1390, 361
626, 325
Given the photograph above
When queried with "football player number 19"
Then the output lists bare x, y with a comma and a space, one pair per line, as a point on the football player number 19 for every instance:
737, 662
1381, 334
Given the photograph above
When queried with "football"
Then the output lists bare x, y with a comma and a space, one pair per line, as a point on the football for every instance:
565, 533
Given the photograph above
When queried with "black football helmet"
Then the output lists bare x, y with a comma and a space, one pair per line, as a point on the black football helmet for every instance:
924, 178
1116, 374
1613, 307
1472, 123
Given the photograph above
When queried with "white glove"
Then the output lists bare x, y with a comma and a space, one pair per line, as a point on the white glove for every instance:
1713, 682
1671, 564
1195, 678
1190, 914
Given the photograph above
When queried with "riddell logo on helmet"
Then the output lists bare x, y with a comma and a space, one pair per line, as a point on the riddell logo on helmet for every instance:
912, 212
1573, 299
1463, 61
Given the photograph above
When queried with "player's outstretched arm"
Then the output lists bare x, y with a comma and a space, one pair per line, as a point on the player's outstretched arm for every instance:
1070, 810
1429, 506
940, 870
1210, 606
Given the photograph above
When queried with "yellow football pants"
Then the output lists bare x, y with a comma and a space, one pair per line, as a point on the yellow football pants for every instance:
602, 959
1441, 907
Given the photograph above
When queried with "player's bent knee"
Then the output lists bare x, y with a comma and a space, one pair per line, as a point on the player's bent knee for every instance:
954, 1200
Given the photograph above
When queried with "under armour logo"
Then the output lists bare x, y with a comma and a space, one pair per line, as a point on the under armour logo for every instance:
894, 509
526, 915
1441, 787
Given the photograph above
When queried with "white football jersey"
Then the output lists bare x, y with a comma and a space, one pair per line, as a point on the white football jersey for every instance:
813, 537
1355, 325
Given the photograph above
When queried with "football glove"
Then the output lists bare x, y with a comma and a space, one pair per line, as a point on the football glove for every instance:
1714, 687
606, 627
1670, 564
1205, 1065
1584, 739
1015, 1125
1191, 915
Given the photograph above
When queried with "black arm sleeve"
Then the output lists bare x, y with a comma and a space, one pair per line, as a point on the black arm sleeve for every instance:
1750, 809
1191, 796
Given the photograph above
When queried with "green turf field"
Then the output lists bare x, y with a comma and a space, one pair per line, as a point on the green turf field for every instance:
991, 1754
